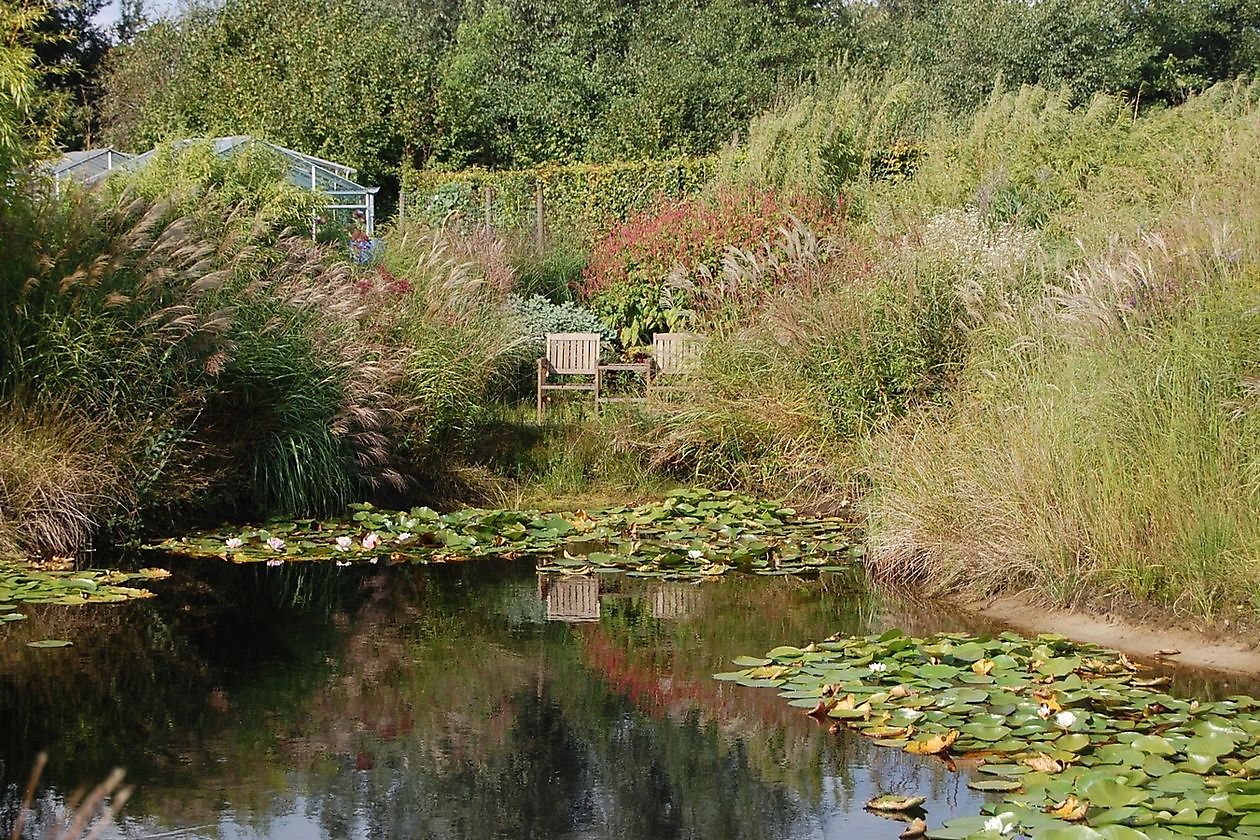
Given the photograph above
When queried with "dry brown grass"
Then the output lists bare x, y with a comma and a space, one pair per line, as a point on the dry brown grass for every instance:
56, 481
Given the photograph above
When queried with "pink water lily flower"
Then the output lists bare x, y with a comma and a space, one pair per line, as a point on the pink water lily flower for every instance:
275, 544
344, 543
403, 537
275, 562
233, 543
371, 541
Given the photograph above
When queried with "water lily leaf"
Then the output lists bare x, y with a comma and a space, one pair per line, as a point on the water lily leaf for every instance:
959, 828
1069, 832
1121, 832
1154, 745
1214, 745
1111, 793
1072, 742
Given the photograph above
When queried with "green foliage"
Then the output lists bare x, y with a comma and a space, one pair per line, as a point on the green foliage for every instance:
1158, 49
211, 362
252, 180
852, 126
538, 316
509, 83
19, 79
577, 198
527, 82
343, 79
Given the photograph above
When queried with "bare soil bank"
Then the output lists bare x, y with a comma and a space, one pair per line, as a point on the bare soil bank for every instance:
1140, 638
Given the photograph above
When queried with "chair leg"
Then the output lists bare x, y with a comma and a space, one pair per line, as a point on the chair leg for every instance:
598, 381
542, 378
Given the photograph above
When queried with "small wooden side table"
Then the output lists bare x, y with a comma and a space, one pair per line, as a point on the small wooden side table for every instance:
643, 369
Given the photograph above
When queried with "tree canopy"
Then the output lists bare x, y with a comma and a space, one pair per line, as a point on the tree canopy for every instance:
511, 83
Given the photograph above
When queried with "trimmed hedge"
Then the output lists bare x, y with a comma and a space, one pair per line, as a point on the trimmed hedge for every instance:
582, 197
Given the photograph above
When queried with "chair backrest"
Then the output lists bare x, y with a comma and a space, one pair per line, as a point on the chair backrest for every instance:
573, 352
676, 352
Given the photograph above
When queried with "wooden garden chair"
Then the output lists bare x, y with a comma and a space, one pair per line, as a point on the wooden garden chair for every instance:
676, 357
572, 355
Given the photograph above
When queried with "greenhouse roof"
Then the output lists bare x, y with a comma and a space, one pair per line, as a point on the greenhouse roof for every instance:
89, 164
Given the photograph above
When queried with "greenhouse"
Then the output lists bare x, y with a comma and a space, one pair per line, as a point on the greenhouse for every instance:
349, 203
87, 166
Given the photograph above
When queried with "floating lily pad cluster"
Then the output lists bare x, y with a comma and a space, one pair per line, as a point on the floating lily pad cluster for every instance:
1076, 741
22, 583
691, 534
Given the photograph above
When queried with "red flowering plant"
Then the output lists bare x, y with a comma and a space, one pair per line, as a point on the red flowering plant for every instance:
669, 267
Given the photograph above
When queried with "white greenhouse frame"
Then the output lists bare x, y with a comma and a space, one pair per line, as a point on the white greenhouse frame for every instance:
334, 180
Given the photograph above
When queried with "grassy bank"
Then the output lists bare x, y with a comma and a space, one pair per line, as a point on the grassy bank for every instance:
1029, 363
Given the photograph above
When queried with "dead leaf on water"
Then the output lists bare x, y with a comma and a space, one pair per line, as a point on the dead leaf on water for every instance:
935, 745
1043, 763
1070, 809
894, 802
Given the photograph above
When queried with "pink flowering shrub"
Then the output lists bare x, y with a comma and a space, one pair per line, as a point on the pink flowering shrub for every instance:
627, 279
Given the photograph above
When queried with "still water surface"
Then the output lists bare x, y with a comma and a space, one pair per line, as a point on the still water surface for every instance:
463, 701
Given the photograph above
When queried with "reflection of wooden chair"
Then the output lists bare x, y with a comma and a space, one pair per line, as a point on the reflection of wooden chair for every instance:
676, 357
571, 355
573, 599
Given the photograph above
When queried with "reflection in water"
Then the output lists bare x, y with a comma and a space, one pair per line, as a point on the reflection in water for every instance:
570, 599
448, 702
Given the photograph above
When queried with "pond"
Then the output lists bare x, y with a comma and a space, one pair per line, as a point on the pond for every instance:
466, 700
451, 701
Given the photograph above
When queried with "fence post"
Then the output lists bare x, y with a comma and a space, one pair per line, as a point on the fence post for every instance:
538, 213
489, 204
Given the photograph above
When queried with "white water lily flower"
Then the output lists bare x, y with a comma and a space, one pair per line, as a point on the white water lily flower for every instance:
344, 543
343, 562
373, 560
695, 554
1003, 823
275, 544
1043, 711
233, 542
371, 541
1065, 719
877, 667
403, 537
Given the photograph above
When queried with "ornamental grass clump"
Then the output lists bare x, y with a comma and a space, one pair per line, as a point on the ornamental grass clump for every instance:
1103, 448
222, 363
